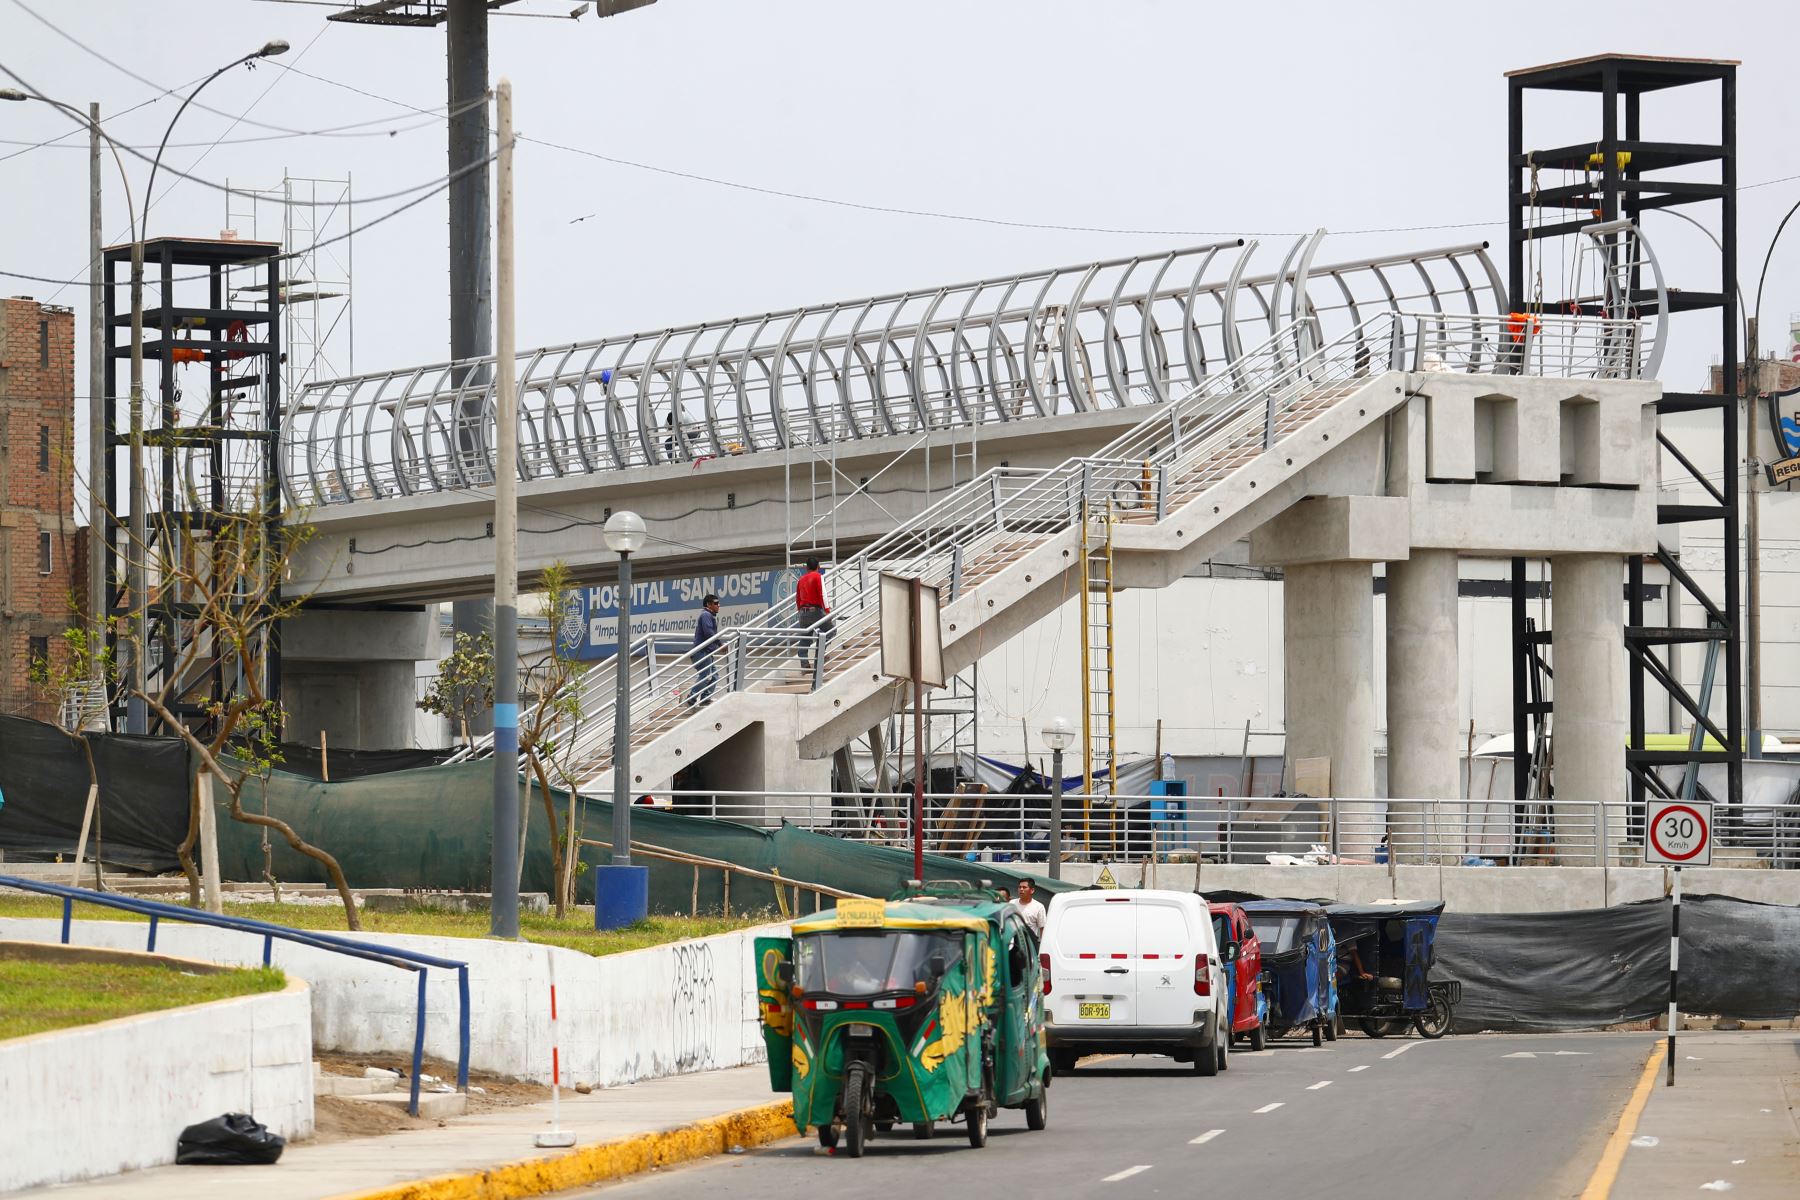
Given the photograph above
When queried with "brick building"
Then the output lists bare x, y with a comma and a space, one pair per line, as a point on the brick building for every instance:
38, 546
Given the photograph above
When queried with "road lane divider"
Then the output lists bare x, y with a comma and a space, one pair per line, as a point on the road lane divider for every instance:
1269, 1108
1206, 1137
1399, 1050
1323, 1083
1127, 1173
1354, 1070
1606, 1171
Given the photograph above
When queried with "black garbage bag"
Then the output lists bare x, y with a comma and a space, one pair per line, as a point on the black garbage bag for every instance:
235, 1139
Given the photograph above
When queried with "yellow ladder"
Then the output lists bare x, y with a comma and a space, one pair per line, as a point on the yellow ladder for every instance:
1099, 728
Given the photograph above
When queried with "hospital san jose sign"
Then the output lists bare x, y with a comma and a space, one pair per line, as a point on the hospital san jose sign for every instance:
588, 627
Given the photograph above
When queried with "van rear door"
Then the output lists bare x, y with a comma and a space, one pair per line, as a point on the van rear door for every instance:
1095, 954
1167, 944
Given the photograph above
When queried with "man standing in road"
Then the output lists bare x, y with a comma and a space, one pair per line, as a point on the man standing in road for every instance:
809, 599
706, 652
1031, 909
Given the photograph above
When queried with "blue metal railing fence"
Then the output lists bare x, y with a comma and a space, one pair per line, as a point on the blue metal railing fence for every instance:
393, 956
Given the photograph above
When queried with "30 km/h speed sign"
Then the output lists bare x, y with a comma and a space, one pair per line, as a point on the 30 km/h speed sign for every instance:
1680, 834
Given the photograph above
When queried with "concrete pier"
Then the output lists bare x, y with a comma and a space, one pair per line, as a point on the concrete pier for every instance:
1587, 650
1422, 696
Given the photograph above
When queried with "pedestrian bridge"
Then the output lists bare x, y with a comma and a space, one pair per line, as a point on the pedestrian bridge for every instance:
818, 427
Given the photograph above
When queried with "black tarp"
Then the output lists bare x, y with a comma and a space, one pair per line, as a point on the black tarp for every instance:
310, 762
143, 801
1547, 971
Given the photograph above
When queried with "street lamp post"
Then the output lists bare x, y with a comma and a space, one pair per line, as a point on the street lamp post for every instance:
97, 397
137, 715
621, 890
1057, 734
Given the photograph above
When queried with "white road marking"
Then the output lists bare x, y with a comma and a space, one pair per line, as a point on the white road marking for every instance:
1521, 1054
1323, 1083
1206, 1137
1269, 1108
1397, 1052
1127, 1173
1364, 1067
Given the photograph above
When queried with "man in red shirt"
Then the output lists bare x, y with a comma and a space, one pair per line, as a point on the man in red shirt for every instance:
809, 599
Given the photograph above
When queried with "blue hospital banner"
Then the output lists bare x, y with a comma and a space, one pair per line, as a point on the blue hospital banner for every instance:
589, 628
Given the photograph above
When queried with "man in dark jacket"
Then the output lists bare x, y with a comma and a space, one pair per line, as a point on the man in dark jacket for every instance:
706, 652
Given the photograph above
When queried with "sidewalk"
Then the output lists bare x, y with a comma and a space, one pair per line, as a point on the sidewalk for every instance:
1732, 1118
617, 1131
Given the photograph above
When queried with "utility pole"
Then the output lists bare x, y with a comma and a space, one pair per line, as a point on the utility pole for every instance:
137, 711
503, 909
471, 252
1753, 545
97, 423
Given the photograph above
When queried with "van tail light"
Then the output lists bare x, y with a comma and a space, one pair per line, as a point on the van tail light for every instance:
1202, 980
1044, 965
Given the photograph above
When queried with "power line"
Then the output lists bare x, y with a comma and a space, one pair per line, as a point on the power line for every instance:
440, 185
127, 71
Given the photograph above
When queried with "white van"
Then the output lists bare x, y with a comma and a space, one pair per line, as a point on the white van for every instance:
1133, 972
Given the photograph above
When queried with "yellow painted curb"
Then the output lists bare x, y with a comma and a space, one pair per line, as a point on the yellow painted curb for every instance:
601, 1162
1606, 1171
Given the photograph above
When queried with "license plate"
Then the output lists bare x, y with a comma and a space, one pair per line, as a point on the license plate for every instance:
862, 1031
1095, 1012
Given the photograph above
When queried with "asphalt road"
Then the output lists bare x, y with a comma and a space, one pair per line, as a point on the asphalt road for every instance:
1397, 1119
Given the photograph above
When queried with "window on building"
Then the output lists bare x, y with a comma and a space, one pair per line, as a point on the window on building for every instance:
44, 553
43, 447
40, 654
43, 343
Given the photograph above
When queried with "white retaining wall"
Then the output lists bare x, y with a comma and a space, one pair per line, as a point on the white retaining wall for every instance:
114, 1096
668, 1010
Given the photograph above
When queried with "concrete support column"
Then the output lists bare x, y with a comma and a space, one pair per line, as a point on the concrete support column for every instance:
1422, 698
1328, 610
1590, 721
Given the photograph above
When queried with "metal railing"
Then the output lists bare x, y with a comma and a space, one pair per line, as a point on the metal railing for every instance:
1571, 347
1252, 830
1098, 335
405, 960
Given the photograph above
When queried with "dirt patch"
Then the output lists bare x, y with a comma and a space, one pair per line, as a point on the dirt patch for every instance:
339, 1117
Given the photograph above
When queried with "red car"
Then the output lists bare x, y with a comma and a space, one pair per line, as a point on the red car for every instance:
1248, 1004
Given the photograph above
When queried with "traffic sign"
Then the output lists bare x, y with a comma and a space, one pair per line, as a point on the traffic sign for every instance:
1680, 834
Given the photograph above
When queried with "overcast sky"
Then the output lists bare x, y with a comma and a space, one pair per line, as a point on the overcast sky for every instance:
1179, 115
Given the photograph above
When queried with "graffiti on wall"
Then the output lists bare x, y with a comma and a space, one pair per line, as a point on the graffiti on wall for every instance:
693, 1000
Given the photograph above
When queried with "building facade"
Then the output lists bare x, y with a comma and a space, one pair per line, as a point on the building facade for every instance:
38, 546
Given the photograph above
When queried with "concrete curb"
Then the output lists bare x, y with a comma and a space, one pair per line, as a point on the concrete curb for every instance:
599, 1163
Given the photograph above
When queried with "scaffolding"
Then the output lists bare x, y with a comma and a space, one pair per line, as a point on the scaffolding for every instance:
211, 408
313, 220
1580, 206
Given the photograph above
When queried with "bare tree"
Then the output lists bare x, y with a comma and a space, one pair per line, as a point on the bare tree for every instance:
554, 707
224, 576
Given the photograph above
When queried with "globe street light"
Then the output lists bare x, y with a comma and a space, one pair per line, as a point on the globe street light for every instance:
1057, 734
622, 891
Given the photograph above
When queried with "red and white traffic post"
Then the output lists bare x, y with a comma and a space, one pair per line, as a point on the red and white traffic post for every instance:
1679, 834
556, 1135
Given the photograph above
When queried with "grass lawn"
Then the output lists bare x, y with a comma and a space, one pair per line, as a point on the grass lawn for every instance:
575, 932
40, 996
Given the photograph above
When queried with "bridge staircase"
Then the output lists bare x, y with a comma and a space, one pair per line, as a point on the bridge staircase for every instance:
1006, 545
